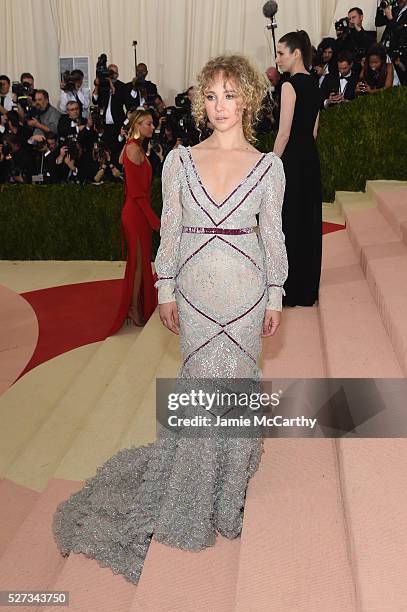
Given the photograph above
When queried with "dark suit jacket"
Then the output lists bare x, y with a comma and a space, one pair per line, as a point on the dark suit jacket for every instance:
119, 104
64, 126
332, 83
393, 29
151, 90
356, 41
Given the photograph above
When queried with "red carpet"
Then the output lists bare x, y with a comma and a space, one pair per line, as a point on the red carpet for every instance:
70, 316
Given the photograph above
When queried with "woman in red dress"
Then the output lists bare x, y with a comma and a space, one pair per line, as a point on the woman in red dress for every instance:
139, 297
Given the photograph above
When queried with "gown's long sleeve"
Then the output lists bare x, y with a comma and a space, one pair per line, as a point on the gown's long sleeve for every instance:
271, 233
171, 228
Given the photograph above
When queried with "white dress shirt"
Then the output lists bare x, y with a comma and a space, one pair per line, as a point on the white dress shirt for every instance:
68, 96
8, 100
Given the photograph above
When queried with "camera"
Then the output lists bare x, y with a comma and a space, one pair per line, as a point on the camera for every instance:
342, 26
69, 81
156, 141
182, 100
70, 143
362, 86
399, 52
96, 113
23, 93
102, 71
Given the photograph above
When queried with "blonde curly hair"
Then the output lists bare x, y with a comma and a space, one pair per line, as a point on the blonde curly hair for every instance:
251, 84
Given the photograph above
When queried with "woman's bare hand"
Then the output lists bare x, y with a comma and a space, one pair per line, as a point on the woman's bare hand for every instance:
169, 316
272, 320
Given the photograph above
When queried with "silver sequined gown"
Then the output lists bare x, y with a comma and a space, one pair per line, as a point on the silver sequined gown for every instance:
223, 276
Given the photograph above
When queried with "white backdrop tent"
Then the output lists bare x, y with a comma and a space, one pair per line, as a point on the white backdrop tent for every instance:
175, 37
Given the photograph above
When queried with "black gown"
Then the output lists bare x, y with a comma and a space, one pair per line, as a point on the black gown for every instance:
302, 208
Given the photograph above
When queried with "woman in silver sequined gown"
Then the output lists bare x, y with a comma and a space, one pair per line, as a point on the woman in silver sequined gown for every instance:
222, 276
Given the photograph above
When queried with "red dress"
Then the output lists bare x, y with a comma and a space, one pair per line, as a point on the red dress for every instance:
138, 220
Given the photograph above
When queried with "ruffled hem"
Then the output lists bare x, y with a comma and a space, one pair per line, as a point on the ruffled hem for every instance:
182, 491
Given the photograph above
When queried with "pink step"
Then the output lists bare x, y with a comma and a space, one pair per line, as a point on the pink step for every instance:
374, 485
175, 580
386, 274
92, 587
355, 340
294, 550
367, 227
281, 357
32, 560
393, 206
403, 229
16, 503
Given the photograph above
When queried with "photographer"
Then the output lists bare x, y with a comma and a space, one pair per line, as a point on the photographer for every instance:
46, 170
340, 87
141, 91
325, 61
354, 38
72, 123
23, 94
72, 90
70, 162
12, 124
6, 98
43, 117
111, 97
27, 80
18, 163
102, 168
393, 15
376, 74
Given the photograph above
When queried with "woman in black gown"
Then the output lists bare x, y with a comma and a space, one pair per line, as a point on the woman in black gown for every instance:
295, 144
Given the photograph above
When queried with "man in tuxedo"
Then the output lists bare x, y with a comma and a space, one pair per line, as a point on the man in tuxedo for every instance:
6, 100
112, 99
141, 91
72, 123
395, 34
340, 87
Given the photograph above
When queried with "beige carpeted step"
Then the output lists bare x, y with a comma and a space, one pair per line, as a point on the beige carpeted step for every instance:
23, 276
36, 463
109, 418
142, 426
27, 405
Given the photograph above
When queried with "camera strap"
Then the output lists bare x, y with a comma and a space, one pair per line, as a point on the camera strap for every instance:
78, 101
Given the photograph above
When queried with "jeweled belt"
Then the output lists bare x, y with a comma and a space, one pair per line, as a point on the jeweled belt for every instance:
189, 229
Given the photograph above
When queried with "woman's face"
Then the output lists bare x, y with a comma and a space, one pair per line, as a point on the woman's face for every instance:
286, 59
223, 103
146, 127
375, 62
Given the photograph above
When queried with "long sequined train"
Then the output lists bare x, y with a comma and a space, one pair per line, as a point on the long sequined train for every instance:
183, 491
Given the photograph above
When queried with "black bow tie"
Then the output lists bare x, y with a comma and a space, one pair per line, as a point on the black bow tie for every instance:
342, 78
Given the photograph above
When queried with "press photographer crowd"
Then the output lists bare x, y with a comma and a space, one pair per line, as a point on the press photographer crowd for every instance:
81, 140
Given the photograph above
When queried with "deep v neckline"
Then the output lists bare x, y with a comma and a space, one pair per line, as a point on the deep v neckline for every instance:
242, 182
